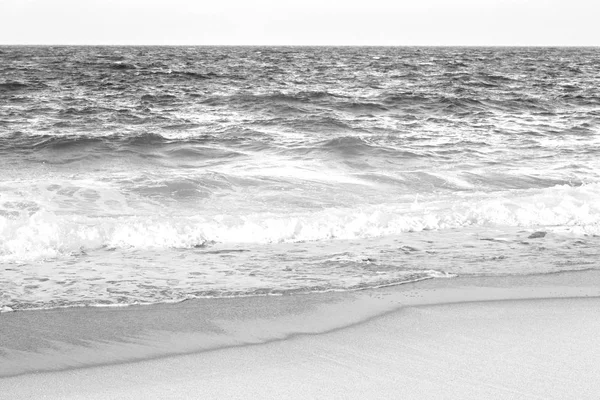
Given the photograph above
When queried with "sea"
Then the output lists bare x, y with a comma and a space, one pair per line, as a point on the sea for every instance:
141, 175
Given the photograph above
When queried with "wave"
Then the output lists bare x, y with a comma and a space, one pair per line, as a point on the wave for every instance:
427, 103
162, 99
119, 65
13, 86
28, 231
162, 151
195, 75
20, 142
352, 146
165, 296
273, 98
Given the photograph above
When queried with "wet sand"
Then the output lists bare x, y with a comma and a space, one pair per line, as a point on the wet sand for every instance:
501, 337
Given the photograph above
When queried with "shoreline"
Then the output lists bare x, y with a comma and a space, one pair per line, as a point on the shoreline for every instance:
142, 331
46, 348
8, 309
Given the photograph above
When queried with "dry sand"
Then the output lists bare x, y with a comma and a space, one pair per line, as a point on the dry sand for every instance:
465, 338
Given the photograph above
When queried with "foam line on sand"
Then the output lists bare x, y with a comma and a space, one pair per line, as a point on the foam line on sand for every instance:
513, 337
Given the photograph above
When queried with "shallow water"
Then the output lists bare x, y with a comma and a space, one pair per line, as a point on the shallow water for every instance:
149, 174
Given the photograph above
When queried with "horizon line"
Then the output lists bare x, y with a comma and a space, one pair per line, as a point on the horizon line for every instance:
294, 45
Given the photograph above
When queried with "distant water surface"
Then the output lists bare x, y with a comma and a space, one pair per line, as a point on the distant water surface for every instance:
150, 174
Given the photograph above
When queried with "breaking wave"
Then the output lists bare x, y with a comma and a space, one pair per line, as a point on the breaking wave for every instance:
27, 232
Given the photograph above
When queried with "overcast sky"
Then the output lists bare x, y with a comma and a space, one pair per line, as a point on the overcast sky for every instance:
306, 22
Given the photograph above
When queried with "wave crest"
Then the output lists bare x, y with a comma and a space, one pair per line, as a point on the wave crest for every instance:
39, 233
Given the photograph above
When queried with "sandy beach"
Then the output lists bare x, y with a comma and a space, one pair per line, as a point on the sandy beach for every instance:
495, 338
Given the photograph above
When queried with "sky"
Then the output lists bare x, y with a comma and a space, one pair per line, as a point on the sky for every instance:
306, 22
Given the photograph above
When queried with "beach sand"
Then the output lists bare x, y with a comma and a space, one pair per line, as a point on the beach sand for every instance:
532, 337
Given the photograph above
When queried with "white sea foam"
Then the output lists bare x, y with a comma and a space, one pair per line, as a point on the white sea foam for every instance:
46, 234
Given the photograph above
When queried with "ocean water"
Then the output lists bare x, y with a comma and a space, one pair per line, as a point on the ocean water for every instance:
136, 175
